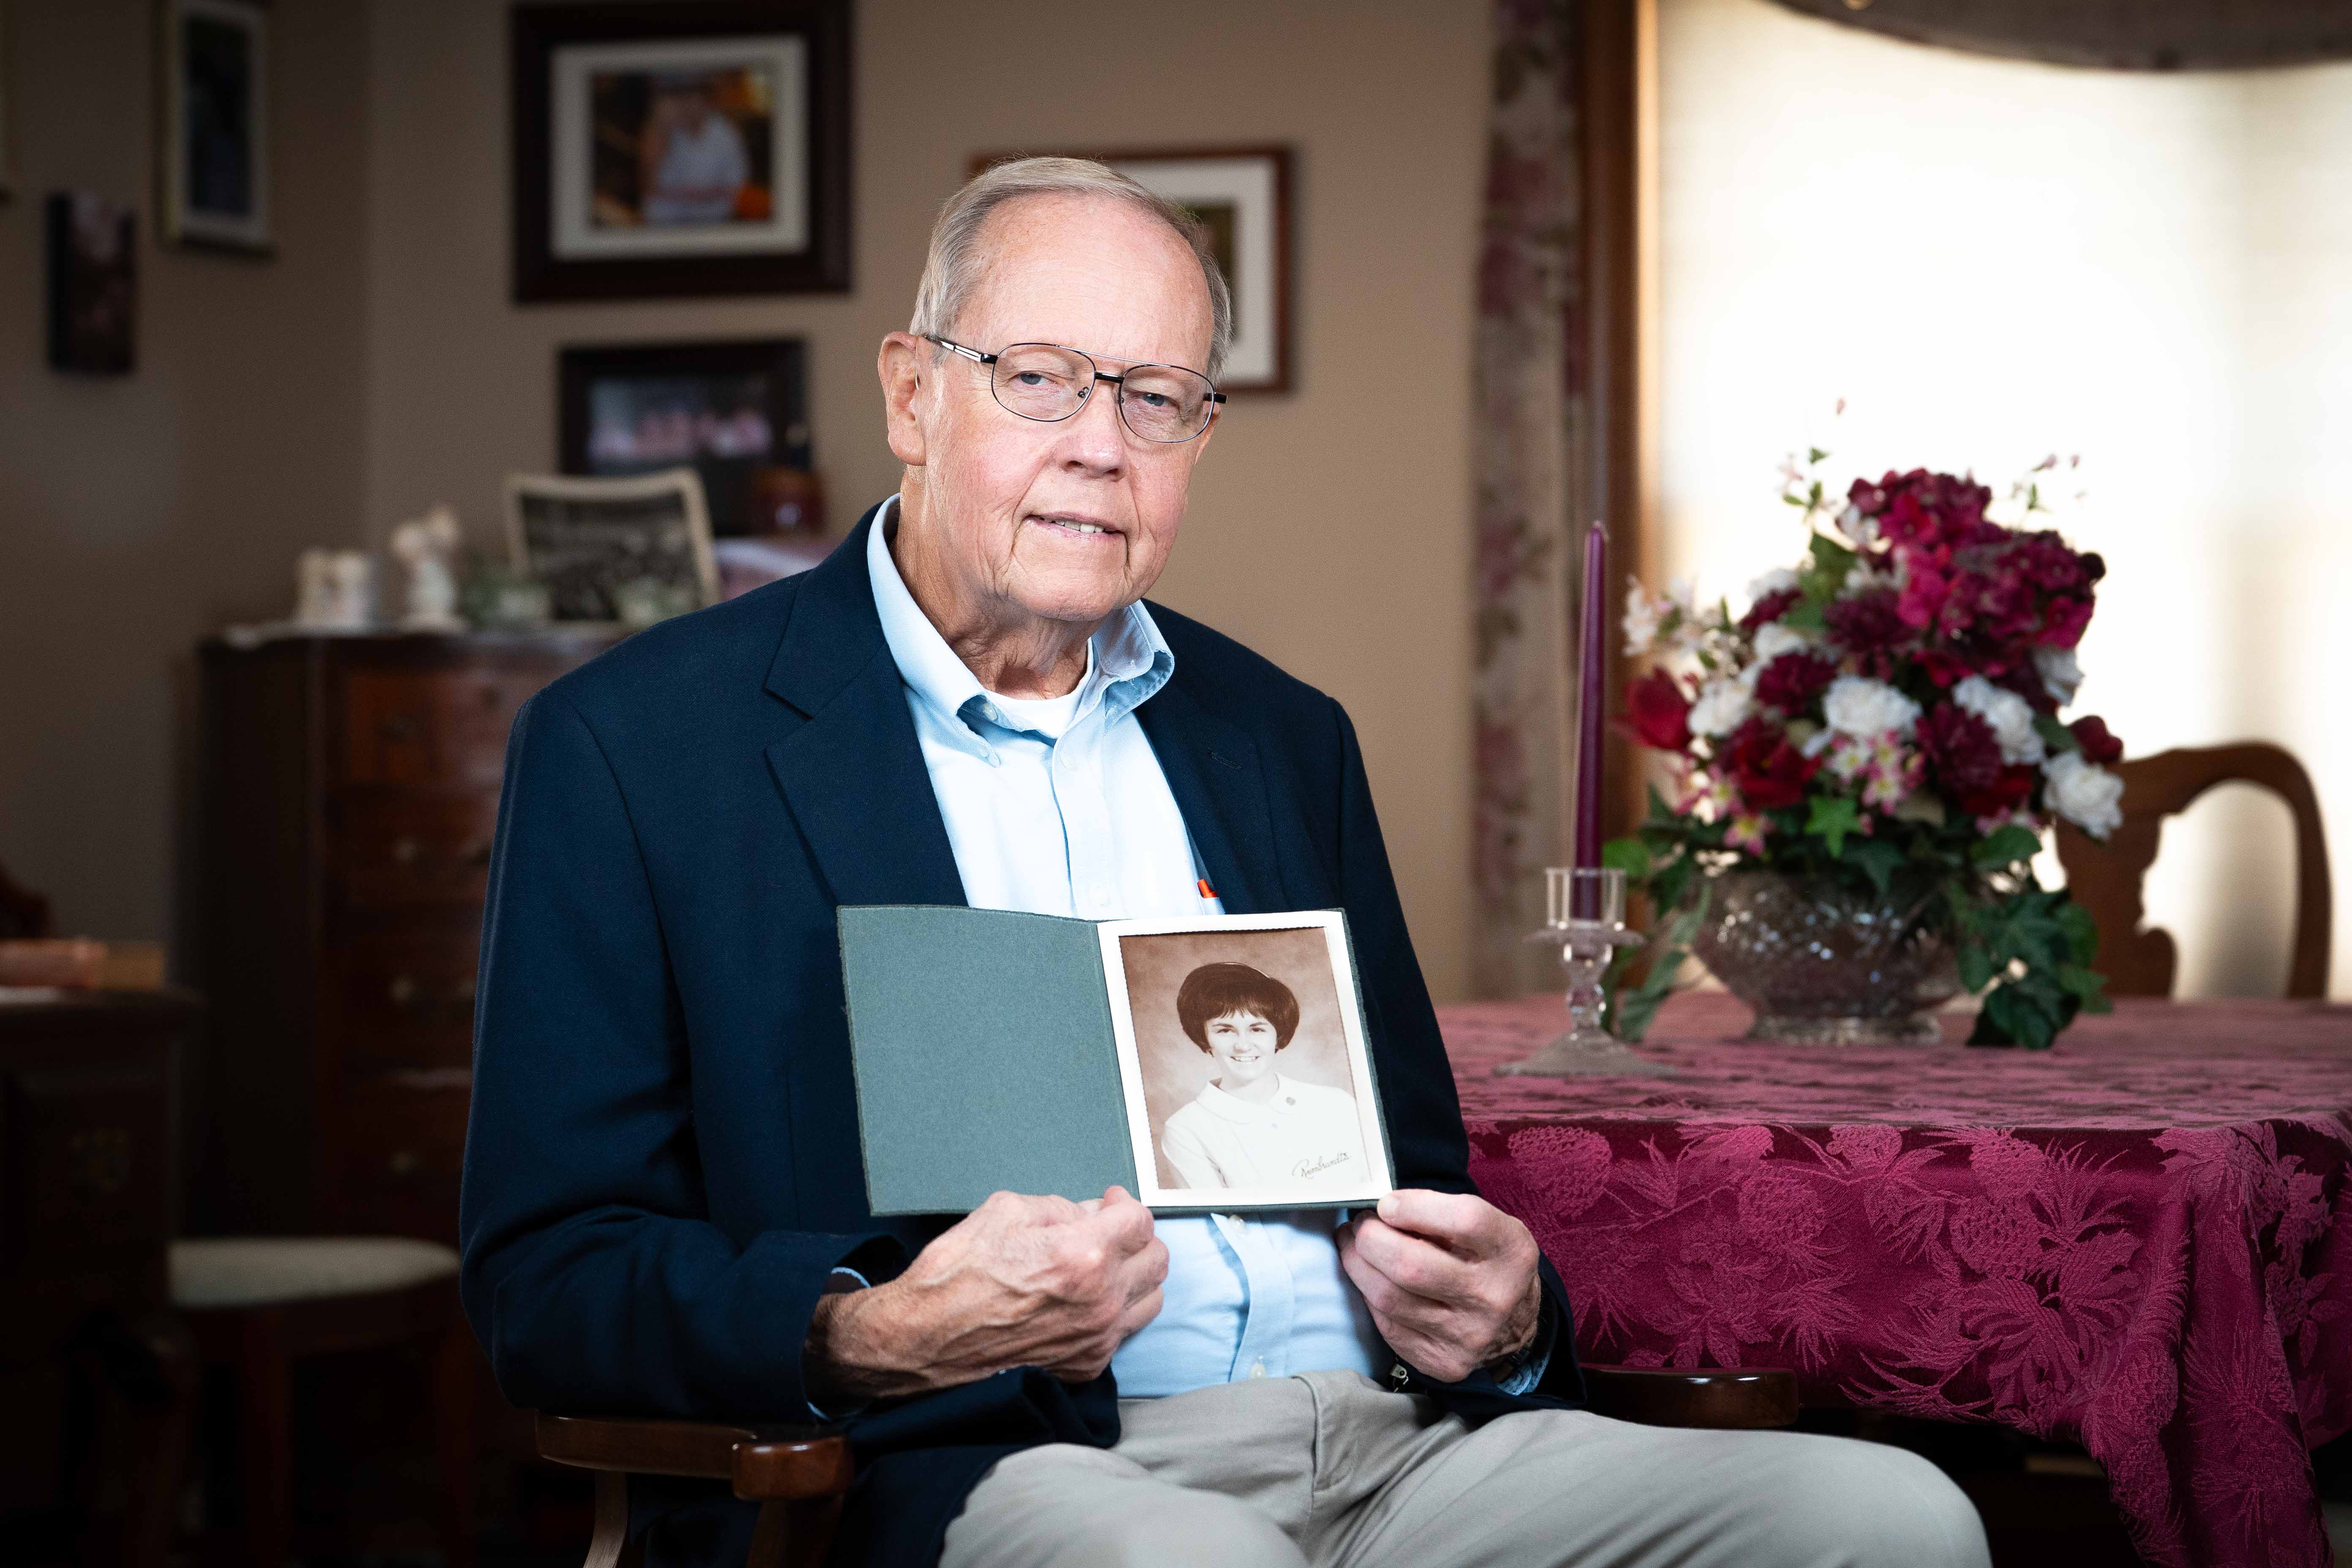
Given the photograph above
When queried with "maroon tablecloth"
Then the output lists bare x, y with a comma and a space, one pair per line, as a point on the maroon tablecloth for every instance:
2140, 1240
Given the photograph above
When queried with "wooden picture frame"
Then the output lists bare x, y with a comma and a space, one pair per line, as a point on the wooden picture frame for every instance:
680, 148
212, 158
1244, 193
708, 404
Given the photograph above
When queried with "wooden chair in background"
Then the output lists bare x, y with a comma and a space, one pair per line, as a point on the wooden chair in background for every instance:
259, 1304
2106, 878
798, 1475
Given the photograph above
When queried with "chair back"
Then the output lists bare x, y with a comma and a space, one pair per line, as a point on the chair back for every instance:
2106, 878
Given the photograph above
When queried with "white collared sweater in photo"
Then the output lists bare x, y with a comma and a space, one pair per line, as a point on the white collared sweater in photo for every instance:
1304, 1138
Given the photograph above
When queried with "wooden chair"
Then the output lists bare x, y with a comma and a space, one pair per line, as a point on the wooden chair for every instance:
259, 1304
798, 1475
2106, 878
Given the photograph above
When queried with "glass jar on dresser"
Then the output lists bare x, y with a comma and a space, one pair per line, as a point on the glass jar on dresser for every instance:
348, 794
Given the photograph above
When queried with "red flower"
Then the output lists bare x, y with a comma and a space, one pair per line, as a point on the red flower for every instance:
1961, 749
1793, 679
1769, 609
1868, 626
2098, 745
1657, 712
1771, 771
1924, 589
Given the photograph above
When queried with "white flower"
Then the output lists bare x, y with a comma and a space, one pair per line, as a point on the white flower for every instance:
1773, 639
1865, 575
1779, 580
1720, 707
2009, 716
1858, 705
2060, 672
1647, 614
1855, 525
2084, 794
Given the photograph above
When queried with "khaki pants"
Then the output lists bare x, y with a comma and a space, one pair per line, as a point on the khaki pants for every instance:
1330, 1469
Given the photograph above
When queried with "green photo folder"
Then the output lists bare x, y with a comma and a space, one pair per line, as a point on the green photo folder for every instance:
995, 1051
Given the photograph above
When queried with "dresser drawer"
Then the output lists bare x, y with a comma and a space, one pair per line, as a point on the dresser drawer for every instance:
87, 1158
433, 726
389, 849
402, 1150
401, 993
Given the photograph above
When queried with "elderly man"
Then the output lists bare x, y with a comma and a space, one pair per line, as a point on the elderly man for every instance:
968, 702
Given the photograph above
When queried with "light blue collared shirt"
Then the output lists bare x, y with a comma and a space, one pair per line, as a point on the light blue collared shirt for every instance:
1059, 807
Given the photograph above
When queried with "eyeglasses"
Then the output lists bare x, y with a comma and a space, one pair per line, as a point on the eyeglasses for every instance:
1162, 403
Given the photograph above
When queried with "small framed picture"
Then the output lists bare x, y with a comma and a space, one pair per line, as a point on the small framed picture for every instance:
629, 550
93, 284
214, 164
680, 148
736, 413
1244, 1063
1243, 196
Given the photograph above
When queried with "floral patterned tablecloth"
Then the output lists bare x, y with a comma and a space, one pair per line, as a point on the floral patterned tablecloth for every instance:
2140, 1240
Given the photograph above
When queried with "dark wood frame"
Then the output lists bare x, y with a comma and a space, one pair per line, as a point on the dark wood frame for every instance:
534, 34
171, 207
1284, 273
784, 360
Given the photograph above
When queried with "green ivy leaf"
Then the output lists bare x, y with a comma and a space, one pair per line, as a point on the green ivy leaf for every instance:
1630, 1012
1805, 616
1671, 882
2088, 989
1629, 856
1833, 816
2006, 848
2054, 735
1878, 861
2082, 932
1813, 455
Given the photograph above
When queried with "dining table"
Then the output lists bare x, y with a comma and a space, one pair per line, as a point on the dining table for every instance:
2140, 1240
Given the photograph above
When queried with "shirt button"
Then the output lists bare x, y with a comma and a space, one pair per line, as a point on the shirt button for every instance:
1258, 1368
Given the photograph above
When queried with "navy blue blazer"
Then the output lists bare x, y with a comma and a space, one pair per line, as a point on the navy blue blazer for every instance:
662, 1168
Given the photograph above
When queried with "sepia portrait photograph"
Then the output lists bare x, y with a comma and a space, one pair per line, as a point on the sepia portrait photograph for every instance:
1242, 1050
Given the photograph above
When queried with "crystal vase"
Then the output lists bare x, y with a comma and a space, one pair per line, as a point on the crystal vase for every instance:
1824, 963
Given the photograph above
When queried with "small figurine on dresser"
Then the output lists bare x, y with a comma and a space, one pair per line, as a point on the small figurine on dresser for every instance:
426, 545
335, 591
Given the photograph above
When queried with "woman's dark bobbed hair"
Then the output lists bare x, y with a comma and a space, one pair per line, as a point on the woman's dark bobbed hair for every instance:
1214, 990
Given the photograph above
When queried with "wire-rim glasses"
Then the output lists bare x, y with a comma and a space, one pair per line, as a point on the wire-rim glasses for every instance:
1164, 404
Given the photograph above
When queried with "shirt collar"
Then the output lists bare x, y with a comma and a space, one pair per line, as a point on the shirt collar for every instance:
1234, 1108
1128, 659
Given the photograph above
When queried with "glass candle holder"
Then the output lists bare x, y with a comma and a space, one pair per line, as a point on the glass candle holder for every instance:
1585, 919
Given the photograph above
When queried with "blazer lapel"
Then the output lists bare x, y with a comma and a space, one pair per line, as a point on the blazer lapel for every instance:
852, 775
1213, 771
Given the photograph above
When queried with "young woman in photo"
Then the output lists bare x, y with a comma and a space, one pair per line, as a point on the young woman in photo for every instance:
1252, 1127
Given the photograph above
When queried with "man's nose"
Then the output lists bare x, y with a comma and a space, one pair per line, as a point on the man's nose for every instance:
1094, 438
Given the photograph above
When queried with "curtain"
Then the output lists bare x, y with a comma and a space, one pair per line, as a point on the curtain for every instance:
1530, 459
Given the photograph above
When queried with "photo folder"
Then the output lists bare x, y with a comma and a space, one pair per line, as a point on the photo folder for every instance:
992, 1052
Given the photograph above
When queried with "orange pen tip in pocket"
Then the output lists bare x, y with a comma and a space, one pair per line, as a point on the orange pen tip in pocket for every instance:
1206, 890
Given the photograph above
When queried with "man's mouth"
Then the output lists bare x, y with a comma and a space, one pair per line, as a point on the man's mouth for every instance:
1085, 526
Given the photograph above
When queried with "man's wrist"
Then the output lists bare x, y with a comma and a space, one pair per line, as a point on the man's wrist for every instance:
850, 1356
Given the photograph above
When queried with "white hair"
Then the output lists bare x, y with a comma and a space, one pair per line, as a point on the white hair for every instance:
954, 264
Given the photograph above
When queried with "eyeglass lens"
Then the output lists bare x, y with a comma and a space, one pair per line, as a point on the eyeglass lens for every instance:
1159, 402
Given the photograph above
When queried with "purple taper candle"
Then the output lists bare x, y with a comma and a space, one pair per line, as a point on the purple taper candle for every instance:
1590, 705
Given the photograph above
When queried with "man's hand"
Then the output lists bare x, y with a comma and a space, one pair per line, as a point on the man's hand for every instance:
1451, 1280
1020, 1281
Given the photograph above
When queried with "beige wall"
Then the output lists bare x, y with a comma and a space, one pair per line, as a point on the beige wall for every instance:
1328, 528
138, 513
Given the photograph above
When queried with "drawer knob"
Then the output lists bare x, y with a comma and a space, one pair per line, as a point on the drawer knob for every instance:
403, 990
404, 1162
406, 850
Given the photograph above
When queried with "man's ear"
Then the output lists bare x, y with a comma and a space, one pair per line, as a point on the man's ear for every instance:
905, 365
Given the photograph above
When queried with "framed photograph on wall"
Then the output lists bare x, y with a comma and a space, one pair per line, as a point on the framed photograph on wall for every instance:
680, 148
736, 413
1243, 196
214, 118
93, 312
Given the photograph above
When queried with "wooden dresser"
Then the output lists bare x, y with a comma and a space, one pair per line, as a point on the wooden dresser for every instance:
348, 797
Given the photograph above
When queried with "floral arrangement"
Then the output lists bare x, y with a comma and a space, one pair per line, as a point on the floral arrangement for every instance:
1886, 713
